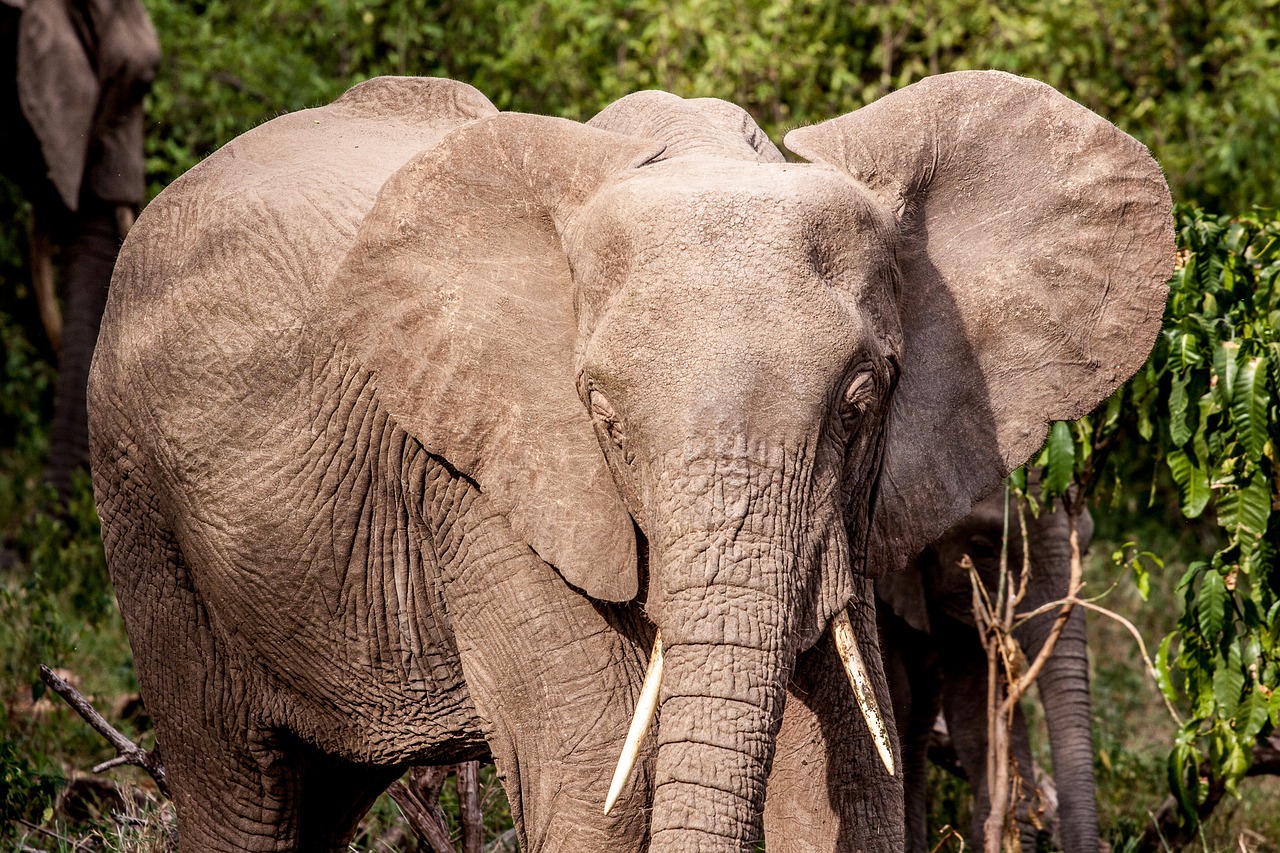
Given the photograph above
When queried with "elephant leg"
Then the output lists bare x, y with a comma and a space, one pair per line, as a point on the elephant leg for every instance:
828, 790
553, 676
89, 255
235, 787
915, 685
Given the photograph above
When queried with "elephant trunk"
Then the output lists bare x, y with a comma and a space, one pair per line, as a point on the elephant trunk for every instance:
1064, 692
724, 619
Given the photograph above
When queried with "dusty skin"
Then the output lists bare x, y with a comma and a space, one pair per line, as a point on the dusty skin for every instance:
412, 422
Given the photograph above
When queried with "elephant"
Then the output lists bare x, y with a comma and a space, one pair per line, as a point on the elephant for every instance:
424, 432
934, 660
71, 137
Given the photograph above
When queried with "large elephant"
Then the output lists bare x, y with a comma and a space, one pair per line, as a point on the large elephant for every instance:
935, 660
71, 131
417, 426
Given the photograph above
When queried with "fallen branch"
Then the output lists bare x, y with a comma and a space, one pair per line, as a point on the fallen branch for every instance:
127, 752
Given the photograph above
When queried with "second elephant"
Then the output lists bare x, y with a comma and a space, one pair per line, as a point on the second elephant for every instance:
935, 660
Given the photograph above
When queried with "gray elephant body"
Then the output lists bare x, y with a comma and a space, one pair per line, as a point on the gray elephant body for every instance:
402, 454
935, 661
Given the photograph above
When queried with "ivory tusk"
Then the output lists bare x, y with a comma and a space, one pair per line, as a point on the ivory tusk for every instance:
640, 721
847, 645
42, 283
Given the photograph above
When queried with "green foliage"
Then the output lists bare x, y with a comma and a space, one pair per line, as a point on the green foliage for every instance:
1218, 357
26, 793
1205, 406
1201, 90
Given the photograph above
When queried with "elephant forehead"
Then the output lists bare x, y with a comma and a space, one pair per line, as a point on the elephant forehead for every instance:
691, 199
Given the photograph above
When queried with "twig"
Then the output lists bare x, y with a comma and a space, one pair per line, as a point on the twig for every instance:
419, 802
127, 752
469, 807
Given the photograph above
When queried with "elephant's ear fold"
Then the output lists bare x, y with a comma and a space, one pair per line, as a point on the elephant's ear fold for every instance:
58, 90
1035, 243
459, 297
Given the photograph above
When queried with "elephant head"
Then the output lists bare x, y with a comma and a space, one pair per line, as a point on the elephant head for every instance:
779, 379
83, 69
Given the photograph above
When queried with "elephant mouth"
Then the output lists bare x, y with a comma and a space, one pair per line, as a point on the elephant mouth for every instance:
854, 666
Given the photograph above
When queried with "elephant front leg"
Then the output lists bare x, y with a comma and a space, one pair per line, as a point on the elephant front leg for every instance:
828, 788
554, 678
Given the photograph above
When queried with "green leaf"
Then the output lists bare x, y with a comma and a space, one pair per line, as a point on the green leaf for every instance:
1228, 682
1244, 512
1192, 480
1211, 606
1164, 676
1254, 713
1249, 402
1182, 758
1061, 461
1224, 370
1179, 429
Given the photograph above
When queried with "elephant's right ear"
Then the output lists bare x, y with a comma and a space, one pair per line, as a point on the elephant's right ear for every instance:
459, 298
1035, 242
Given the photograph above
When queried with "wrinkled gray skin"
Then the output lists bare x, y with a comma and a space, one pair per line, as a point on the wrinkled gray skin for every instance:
412, 479
934, 660
73, 76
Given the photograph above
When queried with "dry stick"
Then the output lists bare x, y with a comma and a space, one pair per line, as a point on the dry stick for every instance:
993, 623
419, 803
127, 752
1000, 712
469, 806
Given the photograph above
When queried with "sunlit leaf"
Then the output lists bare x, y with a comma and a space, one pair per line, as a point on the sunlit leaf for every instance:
1249, 403
1211, 605
1192, 480
1244, 512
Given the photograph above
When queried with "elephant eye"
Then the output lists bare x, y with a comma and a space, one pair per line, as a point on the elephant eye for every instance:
857, 394
603, 411
982, 549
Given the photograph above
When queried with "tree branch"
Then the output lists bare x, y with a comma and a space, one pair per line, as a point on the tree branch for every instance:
127, 752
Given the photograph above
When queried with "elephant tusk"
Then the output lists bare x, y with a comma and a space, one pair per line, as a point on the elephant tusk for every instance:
42, 282
847, 645
647, 704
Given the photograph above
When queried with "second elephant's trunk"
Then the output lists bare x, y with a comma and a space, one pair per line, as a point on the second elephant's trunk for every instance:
1064, 692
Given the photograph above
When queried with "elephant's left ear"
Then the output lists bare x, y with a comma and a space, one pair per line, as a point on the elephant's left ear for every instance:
459, 297
1035, 243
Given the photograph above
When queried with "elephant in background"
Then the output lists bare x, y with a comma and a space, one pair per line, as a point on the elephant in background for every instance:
71, 136
935, 660
469, 433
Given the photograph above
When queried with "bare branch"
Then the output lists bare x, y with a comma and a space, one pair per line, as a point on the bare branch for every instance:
1028, 678
469, 806
127, 752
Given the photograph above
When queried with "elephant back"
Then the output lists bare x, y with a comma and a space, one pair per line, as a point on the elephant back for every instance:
217, 278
